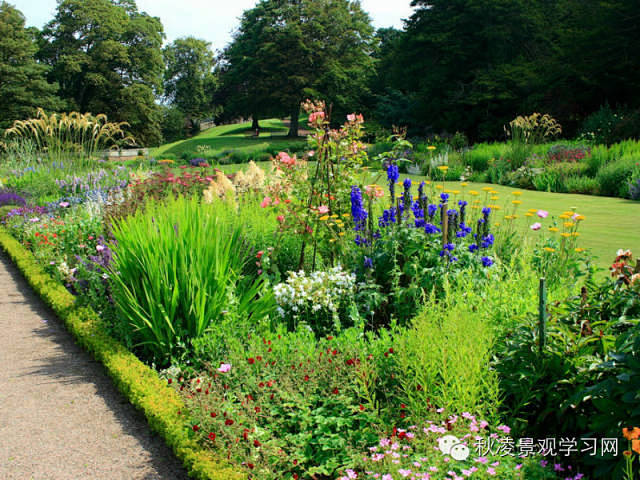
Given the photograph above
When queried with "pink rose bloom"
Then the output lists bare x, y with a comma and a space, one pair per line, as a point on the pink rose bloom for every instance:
543, 213
536, 226
266, 202
322, 209
351, 117
224, 368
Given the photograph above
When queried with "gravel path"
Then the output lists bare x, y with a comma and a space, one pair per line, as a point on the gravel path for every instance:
60, 415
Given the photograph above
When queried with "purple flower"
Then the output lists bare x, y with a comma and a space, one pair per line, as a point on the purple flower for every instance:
444, 197
487, 262
358, 212
8, 198
368, 263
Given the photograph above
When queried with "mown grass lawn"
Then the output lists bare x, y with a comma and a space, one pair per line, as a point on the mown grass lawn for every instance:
234, 137
611, 223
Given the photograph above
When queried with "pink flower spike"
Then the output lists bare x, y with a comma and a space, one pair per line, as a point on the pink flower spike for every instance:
536, 226
543, 213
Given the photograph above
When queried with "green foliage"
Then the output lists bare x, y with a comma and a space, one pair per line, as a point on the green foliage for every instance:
189, 79
584, 381
180, 275
582, 184
173, 126
614, 177
136, 381
24, 86
278, 56
115, 67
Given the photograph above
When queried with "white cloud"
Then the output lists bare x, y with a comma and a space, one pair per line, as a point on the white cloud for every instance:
213, 20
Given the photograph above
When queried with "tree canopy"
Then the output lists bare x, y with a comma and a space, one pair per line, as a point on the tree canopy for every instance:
107, 58
286, 50
189, 78
23, 82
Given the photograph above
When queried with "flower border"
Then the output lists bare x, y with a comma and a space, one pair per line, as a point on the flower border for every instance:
140, 384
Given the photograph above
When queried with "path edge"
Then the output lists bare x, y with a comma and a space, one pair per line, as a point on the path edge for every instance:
140, 384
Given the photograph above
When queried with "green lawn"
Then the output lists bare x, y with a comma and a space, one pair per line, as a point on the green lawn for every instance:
611, 223
234, 137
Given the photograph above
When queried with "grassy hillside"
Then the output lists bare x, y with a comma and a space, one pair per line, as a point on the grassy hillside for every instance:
235, 137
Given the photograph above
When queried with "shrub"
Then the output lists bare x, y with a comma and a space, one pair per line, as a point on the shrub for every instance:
582, 184
608, 126
585, 379
261, 157
555, 176
179, 275
614, 177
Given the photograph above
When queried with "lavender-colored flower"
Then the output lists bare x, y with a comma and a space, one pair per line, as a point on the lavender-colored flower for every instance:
8, 198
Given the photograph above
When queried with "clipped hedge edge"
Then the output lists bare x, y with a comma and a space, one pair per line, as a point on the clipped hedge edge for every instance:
140, 384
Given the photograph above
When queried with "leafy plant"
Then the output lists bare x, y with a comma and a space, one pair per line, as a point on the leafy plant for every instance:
177, 274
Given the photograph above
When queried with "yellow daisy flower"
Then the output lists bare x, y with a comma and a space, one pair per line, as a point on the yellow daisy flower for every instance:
579, 250
554, 229
464, 184
549, 249
473, 192
324, 218
565, 234
517, 194
443, 168
516, 202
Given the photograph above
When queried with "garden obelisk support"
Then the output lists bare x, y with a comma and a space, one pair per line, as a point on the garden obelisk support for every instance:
542, 315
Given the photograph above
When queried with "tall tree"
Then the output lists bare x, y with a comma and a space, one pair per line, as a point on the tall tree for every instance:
189, 78
107, 58
286, 50
23, 83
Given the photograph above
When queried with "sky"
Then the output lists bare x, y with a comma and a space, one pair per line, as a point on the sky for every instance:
212, 20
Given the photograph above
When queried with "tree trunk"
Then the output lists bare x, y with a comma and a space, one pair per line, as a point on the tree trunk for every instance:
293, 127
255, 123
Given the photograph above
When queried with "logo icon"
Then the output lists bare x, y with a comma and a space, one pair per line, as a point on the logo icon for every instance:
450, 445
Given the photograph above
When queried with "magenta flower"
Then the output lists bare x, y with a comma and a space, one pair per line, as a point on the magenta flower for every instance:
64, 204
536, 226
224, 368
504, 428
543, 213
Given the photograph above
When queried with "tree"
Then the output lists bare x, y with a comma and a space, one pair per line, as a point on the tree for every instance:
189, 79
107, 58
23, 83
286, 50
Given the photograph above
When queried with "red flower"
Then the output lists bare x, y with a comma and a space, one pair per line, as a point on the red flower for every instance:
256, 443
335, 352
250, 398
259, 255
214, 414
306, 378
257, 409
403, 406
170, 380
350, 362
251, 361
261, 384
196, 428
250, 465
335, 391
295, 462
419, 387
329, 337
362, 408
391, 350
270, 383
228, 422
295, 476
212, 437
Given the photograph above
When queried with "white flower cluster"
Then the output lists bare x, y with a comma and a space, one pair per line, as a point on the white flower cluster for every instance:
317, 291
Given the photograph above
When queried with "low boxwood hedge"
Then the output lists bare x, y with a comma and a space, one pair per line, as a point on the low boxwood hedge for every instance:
139, 383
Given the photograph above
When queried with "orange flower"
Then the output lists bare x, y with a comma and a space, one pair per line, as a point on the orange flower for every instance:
635, 446
631, 434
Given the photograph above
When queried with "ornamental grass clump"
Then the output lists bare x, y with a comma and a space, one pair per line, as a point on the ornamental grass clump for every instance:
177, 273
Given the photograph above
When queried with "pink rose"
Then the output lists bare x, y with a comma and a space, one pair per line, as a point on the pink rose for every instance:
351, 117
